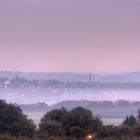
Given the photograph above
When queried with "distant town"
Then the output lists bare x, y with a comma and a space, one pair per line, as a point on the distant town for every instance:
87, 81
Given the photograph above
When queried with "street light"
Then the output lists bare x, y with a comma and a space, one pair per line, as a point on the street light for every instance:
90, 137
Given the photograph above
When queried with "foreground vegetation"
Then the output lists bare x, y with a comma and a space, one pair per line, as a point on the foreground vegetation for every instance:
62, 124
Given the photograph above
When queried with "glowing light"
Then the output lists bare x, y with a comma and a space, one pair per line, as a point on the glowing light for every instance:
89, 137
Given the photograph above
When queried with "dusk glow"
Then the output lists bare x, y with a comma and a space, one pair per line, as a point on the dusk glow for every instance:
73, 36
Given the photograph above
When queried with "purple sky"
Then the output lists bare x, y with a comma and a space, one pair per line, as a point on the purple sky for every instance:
70, 35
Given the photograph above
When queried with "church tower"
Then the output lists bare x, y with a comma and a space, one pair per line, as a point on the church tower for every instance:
90, 77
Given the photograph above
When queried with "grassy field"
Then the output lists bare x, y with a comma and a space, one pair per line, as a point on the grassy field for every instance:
110, 121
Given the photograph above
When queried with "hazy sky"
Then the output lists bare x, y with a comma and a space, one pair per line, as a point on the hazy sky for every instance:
70, 35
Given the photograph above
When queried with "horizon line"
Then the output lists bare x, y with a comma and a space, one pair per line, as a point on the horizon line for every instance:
73, 72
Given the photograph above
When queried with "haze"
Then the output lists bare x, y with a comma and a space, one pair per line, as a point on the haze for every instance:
58, 36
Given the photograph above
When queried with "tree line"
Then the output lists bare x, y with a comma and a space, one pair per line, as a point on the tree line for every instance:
63, 124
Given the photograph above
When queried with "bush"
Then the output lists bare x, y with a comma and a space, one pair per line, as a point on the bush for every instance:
76, 123
8, 137
130, 121
14, 122
52, 128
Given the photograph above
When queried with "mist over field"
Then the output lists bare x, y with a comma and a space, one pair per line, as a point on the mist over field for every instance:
50, 88
51, 96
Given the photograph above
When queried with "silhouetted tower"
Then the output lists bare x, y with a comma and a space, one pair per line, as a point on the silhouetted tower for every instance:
90, 77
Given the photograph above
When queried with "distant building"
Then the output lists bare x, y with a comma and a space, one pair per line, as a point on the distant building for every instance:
90, 77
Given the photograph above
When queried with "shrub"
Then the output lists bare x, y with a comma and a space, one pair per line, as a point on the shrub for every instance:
76, 123
14, 122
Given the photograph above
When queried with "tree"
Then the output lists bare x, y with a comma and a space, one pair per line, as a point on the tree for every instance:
54, 122
76, 131
77, 122
138, 115
13, 121
81, 118
51, 128
59, 115
130, 121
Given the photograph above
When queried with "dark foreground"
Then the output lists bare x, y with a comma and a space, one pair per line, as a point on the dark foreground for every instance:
63, 124
7, 137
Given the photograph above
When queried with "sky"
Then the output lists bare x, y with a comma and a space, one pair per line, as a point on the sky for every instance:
70, 35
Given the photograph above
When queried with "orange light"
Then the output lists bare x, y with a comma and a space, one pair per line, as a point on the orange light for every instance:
89, 137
